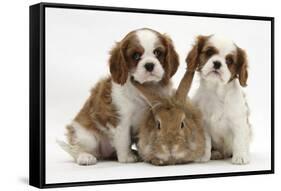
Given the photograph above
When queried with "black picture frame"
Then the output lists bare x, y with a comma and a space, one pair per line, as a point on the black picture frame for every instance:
37, 94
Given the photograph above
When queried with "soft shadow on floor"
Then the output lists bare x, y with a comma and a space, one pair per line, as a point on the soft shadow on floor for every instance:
24, 180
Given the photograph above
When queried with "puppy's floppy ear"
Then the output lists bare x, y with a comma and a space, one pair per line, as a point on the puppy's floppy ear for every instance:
242, 71
117, 65
192, 58
171, 60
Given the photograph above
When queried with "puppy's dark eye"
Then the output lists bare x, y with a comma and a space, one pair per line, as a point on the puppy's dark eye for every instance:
136, 56
157, 53
209, 52
158, 125
182, 125
229, 60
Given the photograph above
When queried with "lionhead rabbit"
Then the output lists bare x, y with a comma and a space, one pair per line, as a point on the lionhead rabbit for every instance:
171, 131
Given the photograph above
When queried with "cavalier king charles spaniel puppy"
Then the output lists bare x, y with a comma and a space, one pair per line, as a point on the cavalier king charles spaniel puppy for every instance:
106, 124
222, 67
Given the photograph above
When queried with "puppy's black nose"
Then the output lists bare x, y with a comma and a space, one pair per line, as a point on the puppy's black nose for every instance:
217, 64
149, 67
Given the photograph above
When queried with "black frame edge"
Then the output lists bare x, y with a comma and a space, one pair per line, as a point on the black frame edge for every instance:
157, 179
35, 129
272, 95
37, 95
154, 11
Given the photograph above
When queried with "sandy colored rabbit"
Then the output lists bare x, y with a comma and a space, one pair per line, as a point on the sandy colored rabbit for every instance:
171, 132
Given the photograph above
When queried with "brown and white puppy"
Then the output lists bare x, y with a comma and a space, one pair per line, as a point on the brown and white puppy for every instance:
222, 67
110, 117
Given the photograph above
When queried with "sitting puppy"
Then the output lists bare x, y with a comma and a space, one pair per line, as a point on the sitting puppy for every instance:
104, 126
222, 67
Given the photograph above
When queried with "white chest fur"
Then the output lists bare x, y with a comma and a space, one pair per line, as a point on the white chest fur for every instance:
224, 110
129, 104
131, 107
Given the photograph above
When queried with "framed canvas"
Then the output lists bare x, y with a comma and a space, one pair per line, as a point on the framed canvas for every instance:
74, 48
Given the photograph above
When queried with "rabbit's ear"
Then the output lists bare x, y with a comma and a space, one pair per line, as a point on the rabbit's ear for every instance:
192, 58
192, 61
147, 92
184, 86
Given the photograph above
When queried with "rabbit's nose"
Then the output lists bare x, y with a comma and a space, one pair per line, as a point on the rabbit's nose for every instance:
175, 148
176, 152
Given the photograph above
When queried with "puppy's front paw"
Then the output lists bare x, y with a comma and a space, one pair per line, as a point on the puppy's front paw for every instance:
129, 158
240, 158
86, 159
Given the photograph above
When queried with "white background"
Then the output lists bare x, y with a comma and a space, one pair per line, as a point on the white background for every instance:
14, 95
77, 47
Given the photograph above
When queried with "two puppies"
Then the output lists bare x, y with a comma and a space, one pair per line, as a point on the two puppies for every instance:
109, 120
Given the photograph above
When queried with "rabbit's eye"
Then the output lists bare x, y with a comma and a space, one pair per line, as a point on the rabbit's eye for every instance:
158, 124
182, 125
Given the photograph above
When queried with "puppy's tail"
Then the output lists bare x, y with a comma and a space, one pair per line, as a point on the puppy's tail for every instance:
70, 149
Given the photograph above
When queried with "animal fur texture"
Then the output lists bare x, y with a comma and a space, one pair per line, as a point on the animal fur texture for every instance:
223, 70
171, 131
110, 117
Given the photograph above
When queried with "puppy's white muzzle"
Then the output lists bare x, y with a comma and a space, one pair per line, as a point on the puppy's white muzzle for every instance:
149, 69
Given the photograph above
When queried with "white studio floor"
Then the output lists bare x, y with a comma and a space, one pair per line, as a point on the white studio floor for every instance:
60, 167
65, 170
